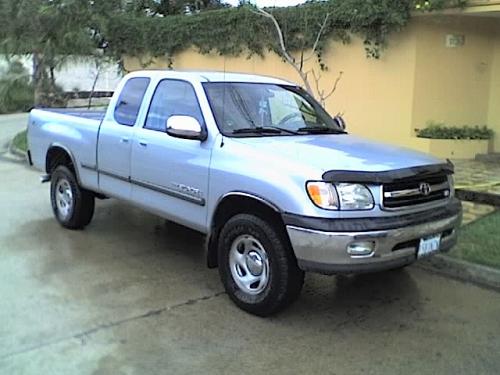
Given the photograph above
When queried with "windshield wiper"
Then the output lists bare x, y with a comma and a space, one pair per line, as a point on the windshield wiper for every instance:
320, 130
283, 129
258, 130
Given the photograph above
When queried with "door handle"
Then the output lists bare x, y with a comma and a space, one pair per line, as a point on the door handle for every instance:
143, 143
124, 140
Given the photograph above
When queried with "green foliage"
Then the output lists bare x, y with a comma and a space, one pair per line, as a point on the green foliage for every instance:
50, 28
430, 5
52, 31
441, 131
234, 31
170, 7
16, 91
478, 241
239, 30
20, 141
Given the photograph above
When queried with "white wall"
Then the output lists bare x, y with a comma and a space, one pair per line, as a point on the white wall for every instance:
78, 75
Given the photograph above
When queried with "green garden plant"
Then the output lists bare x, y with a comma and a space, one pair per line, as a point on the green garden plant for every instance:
16, 90
441, 131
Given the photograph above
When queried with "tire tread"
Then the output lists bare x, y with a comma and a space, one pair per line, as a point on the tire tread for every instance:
84, 201
290, 278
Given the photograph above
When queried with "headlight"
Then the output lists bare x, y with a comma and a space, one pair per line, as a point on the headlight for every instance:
323, 195
342, 196
355, 197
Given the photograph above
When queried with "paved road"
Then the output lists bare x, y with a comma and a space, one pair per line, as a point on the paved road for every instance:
10, 125
131, 295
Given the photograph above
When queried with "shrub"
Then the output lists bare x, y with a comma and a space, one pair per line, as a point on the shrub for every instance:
16, 91
441, 131
51, 95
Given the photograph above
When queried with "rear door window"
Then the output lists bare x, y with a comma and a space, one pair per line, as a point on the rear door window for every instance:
130, 100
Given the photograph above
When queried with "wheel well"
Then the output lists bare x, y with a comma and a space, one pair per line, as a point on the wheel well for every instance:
57, 156
238, 204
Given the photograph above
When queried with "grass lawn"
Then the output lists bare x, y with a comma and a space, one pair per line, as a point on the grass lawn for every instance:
479, 242
20, 141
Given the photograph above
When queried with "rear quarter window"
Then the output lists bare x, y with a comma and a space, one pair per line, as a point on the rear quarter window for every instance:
130, 100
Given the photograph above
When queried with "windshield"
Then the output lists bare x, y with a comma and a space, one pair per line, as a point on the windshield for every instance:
251, 109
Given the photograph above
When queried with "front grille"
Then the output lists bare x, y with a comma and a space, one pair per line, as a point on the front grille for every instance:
415, 190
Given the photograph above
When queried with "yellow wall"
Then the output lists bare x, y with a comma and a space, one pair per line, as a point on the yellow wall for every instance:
374, 96
452, 85
494, 99
416, 80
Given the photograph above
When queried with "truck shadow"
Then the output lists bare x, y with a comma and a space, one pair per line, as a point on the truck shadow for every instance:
390, 297
141, 252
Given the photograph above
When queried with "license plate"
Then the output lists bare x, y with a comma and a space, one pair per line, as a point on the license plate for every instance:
429, 245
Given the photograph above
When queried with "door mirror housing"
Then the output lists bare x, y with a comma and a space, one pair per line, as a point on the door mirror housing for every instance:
185, 127
339, 120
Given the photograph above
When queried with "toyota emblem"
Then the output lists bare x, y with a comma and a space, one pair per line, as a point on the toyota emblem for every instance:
425, 188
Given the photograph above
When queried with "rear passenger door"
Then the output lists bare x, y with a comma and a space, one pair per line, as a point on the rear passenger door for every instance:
170, 175
115, 139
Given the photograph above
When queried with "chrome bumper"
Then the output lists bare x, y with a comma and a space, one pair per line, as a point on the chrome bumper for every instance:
326, 252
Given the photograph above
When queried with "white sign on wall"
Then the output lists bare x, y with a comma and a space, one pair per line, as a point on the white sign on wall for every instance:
455, 40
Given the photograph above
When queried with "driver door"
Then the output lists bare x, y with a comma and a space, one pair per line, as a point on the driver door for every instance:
170, 175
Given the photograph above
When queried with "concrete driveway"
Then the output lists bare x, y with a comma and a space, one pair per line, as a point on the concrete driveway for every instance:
131, 295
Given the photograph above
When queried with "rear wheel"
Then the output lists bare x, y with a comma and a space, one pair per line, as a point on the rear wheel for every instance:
72, 205
257, 266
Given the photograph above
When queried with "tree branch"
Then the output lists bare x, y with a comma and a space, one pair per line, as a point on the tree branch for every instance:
316, 80
284, 52
334, 88
318, 38
277, 26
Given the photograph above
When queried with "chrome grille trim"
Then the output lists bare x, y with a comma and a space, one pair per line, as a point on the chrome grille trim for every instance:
407, 193
414, 192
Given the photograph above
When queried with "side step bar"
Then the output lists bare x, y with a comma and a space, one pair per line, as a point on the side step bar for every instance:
44, 178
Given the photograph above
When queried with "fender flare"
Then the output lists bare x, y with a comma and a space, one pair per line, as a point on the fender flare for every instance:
70, 154
210, 243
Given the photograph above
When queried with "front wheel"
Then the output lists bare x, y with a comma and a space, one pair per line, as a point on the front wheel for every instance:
73, 206
257, 266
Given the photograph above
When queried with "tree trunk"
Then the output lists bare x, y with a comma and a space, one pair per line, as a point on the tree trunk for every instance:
96, 78
39, 75
52, 77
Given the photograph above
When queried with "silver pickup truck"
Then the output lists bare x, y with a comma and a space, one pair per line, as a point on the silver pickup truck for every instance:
256, 164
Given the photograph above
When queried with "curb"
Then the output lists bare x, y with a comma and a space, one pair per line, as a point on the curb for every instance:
462, 270
15, 150
478, 197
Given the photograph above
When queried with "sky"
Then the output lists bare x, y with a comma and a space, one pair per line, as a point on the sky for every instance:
269, 3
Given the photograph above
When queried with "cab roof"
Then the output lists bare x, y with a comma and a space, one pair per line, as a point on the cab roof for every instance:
209, 76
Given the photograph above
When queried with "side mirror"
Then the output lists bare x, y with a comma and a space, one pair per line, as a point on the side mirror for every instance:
185, 127
339, 120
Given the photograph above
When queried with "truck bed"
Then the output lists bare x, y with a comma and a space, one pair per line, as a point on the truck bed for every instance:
90, 114
74, 128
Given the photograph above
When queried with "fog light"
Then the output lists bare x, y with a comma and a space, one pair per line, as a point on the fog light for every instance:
361, 248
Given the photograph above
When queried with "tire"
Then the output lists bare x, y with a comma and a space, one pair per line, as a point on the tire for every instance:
73, 206
250, 248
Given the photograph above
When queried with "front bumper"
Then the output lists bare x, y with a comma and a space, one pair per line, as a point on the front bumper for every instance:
325, 252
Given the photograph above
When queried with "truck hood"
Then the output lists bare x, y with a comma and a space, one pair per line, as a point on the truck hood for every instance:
340, 151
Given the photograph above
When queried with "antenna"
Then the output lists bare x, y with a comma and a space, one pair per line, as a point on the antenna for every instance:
223, 98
